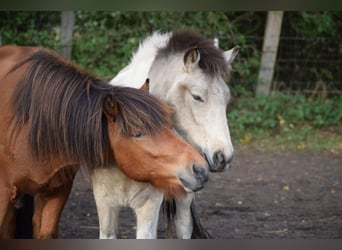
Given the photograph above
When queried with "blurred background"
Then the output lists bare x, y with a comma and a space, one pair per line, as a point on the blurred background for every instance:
286, 82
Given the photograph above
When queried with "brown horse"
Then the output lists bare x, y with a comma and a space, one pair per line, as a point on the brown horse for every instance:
55, 118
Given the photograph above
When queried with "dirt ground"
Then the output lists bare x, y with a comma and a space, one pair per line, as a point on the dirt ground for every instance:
265, 195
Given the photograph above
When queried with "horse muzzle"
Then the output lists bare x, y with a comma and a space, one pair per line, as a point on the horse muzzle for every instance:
219, 162
197, 179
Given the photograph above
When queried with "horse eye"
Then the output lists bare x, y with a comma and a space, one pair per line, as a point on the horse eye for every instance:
197, 98
138, 135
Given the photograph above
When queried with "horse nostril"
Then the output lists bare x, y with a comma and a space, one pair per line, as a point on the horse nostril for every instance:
200, 172
221, 161
196, 169
219, 158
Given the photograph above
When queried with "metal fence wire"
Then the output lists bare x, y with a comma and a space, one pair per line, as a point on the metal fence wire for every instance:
309, 65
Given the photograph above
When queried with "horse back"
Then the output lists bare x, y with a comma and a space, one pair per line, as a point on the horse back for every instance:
10, 55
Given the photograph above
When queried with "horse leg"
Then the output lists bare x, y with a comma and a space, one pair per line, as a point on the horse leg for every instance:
8, 226
108, 220
37, 215
7, 216
147, 217
107, 200
198, 231
183, 219
50, 207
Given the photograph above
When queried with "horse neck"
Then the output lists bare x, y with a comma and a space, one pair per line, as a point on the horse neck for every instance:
136, 72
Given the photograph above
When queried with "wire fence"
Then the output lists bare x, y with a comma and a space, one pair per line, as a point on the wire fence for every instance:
309, 65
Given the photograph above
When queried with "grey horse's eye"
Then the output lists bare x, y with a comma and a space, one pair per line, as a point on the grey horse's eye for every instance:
197, 98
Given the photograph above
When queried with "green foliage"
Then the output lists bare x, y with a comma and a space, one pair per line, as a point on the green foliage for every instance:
103, 41
312, 24
282, 114
30, 28
309, 49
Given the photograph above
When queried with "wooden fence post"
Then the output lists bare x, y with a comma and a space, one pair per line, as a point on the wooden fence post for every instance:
269, 51
67, 28
216, 40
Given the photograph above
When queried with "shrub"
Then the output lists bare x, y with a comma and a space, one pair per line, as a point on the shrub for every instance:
282, 113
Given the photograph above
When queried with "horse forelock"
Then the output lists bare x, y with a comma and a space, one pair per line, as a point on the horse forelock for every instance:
212, 61
63, 110
140, 112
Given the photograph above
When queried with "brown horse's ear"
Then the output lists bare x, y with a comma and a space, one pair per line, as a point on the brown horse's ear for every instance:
110, 107
191, 58
146, 86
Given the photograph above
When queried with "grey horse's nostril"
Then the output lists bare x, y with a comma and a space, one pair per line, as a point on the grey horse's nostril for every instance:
221, 161
219, 158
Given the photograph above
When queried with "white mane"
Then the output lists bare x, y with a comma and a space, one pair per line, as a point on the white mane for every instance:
136, 72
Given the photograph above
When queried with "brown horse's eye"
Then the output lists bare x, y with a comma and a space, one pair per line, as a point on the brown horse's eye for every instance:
138, 135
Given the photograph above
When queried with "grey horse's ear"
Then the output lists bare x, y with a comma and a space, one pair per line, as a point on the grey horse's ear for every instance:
146, 85
110, 107
191, 58
230, 55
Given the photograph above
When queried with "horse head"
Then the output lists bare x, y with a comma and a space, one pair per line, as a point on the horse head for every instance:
194, 80
144, 146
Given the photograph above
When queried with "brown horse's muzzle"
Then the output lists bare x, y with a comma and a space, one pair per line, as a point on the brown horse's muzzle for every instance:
197, 179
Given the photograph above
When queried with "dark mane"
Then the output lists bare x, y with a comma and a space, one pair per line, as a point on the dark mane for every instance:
212, 60
63, 108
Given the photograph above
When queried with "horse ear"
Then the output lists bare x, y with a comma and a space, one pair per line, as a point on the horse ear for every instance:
110, 107
191, 58
229, 55
146, 86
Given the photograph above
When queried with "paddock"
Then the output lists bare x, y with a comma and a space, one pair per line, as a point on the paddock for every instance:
265, 195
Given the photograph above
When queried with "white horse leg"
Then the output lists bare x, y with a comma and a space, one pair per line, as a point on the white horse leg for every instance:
147, 217
183, 219
107, 202
108, 220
